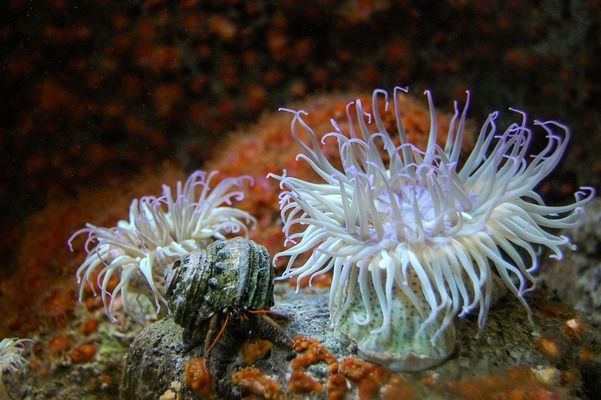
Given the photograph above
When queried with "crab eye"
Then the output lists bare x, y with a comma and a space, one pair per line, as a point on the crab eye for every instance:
177, 263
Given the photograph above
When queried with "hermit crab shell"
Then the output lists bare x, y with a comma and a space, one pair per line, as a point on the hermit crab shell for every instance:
228, 274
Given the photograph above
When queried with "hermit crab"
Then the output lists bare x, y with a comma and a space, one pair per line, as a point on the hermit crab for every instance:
230, 279
220, 296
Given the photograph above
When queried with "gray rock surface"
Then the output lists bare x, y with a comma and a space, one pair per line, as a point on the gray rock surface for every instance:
155, 359
577, 278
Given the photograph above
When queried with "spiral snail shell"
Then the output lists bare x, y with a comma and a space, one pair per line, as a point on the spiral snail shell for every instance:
234, 274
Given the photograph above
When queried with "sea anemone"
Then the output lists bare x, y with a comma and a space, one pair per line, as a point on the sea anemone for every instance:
11, 359
159, 231
11, 350
417, 237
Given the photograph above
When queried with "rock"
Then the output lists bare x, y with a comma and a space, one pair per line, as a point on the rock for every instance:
155, 360
510, 352
576, 279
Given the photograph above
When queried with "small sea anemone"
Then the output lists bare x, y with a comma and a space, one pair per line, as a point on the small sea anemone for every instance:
11, 359
159, 231
416, 237
11, 350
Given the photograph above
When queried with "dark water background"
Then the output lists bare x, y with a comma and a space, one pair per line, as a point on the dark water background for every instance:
95, 92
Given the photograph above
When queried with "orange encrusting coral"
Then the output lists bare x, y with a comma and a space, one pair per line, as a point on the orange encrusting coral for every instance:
269, 147
369, 377
83, 353
371, 380
197, 377
549, 348
253, 380
311, 352
301, 382
58, 345
89, 326
337, 387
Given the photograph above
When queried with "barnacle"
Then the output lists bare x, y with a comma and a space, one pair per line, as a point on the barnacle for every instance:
159, 231
417, 237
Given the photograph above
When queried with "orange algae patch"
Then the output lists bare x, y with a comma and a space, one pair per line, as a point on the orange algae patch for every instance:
89, 326
300, 382
369, 377
253, 380
312, 352
197, 377
255, 349
357, 370
549, 348
59, 344
83, 353
268, 147
337, 387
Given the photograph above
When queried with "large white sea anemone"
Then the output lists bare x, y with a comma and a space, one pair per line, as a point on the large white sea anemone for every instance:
415, 237
159, 231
